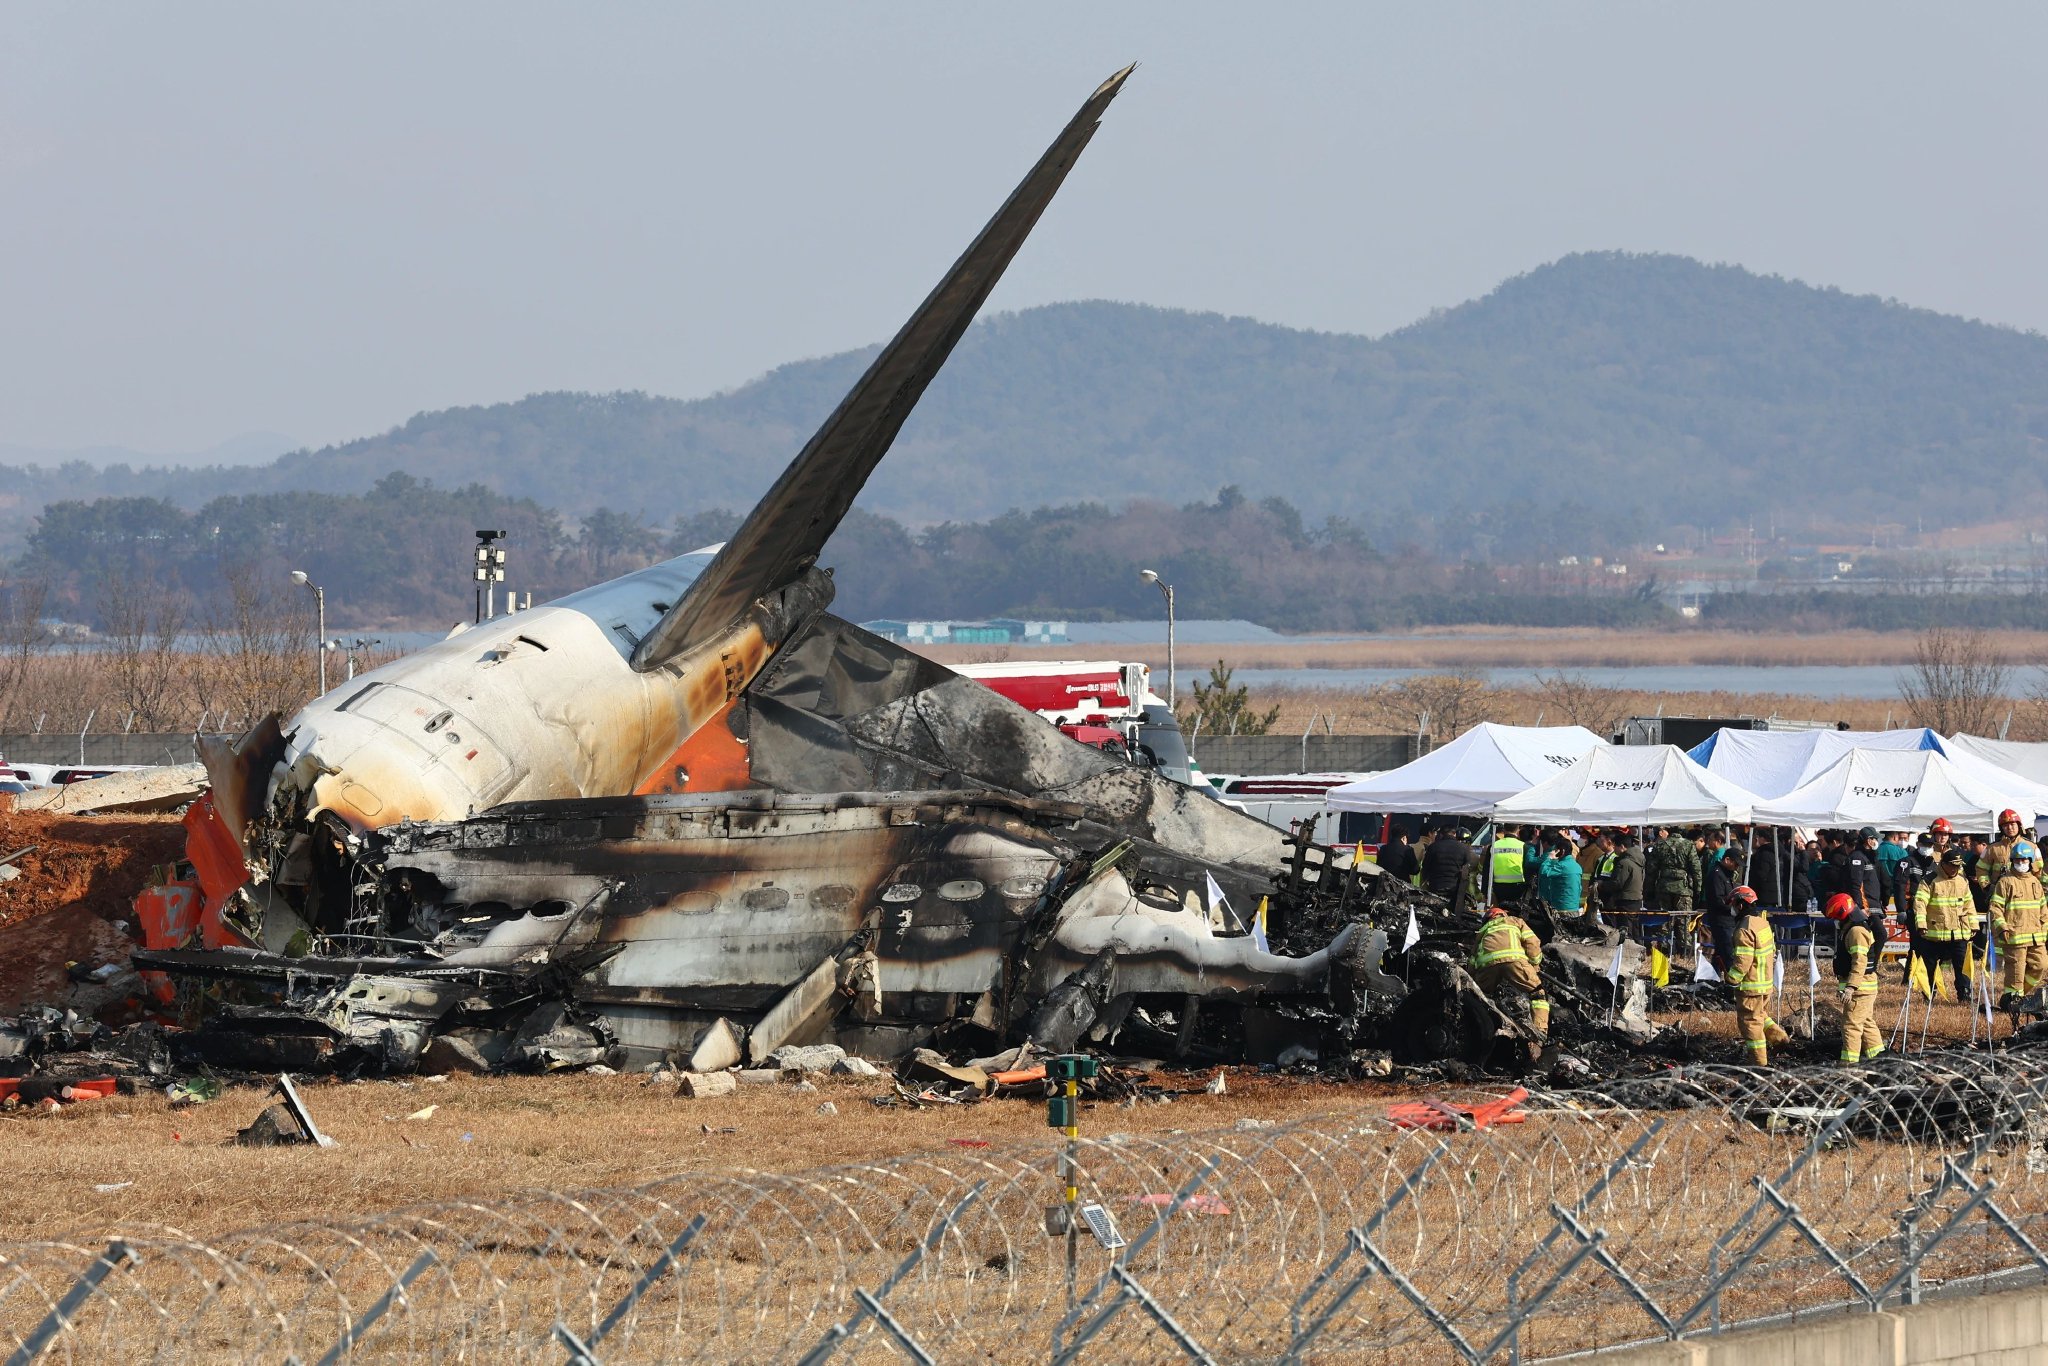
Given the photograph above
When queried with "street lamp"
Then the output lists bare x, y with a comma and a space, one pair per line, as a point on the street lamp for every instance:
1151, 576
320, 607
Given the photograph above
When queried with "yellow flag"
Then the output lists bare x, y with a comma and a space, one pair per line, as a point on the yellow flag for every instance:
1660, 967
1921, 986
1358, 855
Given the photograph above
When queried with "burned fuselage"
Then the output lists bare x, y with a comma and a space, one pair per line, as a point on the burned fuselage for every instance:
865, 918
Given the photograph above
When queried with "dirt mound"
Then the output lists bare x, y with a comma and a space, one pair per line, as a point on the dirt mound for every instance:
82, 877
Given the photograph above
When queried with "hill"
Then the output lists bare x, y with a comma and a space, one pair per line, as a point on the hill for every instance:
1641, 394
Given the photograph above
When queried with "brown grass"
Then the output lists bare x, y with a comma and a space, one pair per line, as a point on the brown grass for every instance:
1351, 711
1482, 647
524, 1133
534, 1132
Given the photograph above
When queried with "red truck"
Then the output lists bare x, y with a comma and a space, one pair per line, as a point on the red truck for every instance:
1105, 704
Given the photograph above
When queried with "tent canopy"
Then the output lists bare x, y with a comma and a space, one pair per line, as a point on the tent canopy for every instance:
1772, 763
1470, 774
1630, 785
1890, 789
2028, 759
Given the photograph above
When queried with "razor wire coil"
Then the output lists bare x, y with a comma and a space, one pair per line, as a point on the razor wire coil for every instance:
1255, 1234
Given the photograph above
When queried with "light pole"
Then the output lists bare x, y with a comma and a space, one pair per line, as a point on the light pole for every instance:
319, 607
490, 572
1151, 576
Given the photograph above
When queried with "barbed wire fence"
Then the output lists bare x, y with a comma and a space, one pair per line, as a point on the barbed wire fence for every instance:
1661, 1207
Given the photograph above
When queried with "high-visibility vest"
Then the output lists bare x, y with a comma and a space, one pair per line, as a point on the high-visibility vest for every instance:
1862, 953
1606, 866
1500, 941
1507, 859
2019, 908
1944, 914
1755, 948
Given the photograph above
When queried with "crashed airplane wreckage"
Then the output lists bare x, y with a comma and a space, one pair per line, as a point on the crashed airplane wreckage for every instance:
690, 814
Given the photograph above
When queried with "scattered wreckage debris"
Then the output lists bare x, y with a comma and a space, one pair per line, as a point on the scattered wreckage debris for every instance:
286, 1122
163, 788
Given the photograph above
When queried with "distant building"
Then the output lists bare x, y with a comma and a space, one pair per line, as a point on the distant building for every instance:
1000, 631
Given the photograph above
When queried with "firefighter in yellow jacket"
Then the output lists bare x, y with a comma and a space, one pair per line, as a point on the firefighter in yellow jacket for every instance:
1506, 958
1752, 977
1945, 914
1859, 939
2019, 918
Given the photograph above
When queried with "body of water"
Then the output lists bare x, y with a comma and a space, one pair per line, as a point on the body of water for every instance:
1877, 681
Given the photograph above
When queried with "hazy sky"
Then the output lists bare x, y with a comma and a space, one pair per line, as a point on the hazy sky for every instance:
318, 220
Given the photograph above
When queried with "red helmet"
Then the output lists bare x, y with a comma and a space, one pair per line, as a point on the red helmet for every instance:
2008, 815
1747, 895
1839, 905
1940, 826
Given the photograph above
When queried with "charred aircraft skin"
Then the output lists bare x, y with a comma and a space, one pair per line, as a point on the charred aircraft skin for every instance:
454, 841
659, 915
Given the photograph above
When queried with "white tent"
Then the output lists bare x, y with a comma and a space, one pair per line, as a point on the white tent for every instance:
1631, 785
1892, 790
1470, 774
2028, 759
1772, 763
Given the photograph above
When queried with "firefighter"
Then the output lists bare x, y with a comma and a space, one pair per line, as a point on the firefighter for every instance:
1945, 914
1506, 957
1992, 864
1859, 939
2019, 917
1752, 977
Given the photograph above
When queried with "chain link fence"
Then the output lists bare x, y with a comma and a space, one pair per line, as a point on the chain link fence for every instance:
1661, 1207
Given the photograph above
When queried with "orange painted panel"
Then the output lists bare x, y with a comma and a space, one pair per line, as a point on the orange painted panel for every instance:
712, 760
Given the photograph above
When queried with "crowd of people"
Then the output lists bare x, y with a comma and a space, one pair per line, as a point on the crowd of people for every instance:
1714, 889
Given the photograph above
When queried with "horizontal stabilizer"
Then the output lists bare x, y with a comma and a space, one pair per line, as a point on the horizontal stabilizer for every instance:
787, 530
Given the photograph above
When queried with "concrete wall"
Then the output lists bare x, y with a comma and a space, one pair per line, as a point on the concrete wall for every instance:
1284, 753
171, 748
1970, 1330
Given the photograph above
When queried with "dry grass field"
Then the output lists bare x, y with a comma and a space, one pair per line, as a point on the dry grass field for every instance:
1498, 647
494, 1135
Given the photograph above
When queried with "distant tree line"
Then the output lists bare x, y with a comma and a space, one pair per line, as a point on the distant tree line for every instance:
399, 556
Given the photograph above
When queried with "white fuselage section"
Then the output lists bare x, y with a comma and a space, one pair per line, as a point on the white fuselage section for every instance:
537, 704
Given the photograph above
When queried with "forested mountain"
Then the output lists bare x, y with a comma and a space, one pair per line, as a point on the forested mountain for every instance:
1590, 403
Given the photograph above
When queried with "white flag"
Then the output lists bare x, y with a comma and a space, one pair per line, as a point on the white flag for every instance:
1812, 967
1778, 973
1216, 898
1703, 969
1414, 935
1614, 968
1259, 928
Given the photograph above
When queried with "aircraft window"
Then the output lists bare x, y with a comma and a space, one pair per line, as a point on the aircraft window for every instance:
766, 899
832, 898
1022, 886
903, 891
694, 903
961, 889
439, 721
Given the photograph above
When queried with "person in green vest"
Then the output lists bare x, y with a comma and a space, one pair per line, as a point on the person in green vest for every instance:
1511, 857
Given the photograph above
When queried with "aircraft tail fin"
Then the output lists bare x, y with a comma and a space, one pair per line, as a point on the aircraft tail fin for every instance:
787, 530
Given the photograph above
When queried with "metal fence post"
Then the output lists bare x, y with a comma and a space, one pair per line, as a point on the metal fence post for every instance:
582, 1353
58, 1320
871, 1304
1128, 1289
376, 1311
